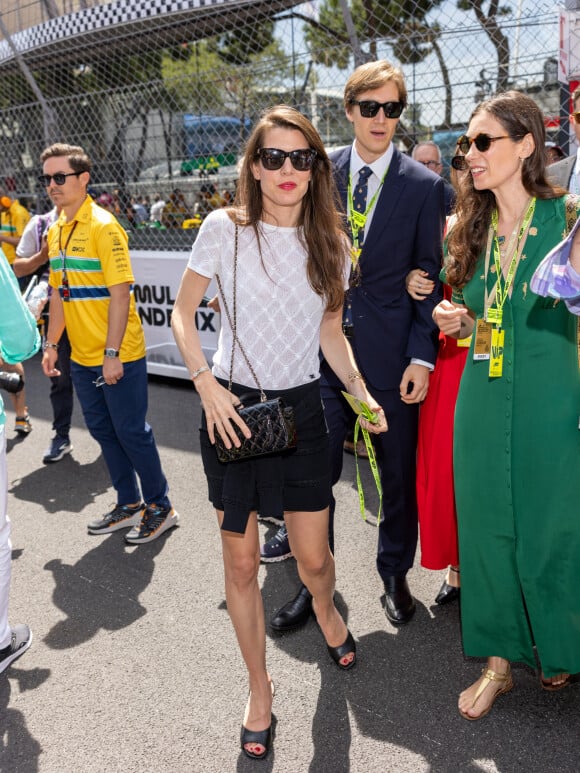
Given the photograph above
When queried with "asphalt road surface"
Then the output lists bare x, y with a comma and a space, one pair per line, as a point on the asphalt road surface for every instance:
134, 665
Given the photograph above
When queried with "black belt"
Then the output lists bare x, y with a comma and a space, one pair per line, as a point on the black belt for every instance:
348, 331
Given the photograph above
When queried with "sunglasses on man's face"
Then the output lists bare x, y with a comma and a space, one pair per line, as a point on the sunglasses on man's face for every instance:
273, 158
369, 108
482, 142
59, 178
576, 116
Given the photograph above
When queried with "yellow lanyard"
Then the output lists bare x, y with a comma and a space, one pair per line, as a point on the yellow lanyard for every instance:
357, 220
494, 313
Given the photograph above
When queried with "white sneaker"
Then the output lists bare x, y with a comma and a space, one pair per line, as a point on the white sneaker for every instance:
19, 643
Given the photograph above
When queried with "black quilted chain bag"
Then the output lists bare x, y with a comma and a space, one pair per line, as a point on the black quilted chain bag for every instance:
271, 422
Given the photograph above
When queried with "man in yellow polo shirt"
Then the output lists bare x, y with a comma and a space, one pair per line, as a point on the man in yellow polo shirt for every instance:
92, 280
13, 219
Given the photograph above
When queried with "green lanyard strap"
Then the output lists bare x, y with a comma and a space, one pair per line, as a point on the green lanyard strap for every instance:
357, 220
502, 293
374, 467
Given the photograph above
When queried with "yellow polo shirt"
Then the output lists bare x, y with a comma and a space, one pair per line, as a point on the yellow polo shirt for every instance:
92, 250
13, 223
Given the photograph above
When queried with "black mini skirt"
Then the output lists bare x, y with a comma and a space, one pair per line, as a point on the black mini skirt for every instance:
295, 480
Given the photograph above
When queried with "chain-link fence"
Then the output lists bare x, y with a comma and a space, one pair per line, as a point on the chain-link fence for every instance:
163, 93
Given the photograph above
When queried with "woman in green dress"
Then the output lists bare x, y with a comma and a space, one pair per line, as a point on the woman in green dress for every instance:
516, 444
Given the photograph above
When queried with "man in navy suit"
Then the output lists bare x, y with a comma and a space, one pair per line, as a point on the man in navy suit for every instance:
398, 228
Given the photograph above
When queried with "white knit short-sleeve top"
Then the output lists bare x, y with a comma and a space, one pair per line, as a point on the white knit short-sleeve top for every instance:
278, 313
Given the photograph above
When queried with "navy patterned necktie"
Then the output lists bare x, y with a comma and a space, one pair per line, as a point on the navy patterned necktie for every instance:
359, 196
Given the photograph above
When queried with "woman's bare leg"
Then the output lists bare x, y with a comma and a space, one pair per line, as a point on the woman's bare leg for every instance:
308, 535
241, 556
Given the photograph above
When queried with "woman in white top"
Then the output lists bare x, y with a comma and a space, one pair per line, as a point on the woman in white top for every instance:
292, 269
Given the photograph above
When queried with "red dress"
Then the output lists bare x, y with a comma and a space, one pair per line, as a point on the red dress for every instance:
435, 495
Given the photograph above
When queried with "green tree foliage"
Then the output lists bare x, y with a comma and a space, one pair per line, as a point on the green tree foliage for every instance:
374, 20
487, 13
238, 47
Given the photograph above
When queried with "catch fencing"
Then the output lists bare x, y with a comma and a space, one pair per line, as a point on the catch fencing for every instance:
162, 93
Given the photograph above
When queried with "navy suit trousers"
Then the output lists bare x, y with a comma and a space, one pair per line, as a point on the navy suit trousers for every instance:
396, 457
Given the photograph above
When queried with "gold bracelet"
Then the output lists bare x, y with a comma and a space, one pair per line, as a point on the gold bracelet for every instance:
353, 375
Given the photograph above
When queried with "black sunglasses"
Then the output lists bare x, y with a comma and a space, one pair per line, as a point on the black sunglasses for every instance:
59, 178
459, 163
369, 108
482, 142
273, 158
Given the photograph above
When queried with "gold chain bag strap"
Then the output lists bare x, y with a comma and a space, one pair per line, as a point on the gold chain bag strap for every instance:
271, 422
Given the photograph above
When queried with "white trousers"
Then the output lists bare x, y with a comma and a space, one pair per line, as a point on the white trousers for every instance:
5, 545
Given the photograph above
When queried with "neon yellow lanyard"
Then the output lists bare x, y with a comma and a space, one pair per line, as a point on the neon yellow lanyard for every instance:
374, 468
503, 287
357, 220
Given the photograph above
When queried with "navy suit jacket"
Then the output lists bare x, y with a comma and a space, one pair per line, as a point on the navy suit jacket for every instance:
406, 231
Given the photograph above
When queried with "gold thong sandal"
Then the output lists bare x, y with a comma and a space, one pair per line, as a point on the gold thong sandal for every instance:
490, 676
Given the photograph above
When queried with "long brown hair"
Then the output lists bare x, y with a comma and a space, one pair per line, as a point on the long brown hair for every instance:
519, 115
319, 225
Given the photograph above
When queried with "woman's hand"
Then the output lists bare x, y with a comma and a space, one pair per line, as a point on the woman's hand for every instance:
453, 320
358, 389
380, 425
418, 284
219, 405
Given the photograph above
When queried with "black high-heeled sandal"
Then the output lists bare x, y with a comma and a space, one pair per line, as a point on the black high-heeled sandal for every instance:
262, 737
338, 653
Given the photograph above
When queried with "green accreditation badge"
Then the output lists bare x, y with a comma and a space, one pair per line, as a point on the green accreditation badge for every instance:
362, 410
494, 316
496, 360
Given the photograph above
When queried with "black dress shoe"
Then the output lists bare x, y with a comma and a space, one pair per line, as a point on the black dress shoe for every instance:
447, 594
399, 604
294, 614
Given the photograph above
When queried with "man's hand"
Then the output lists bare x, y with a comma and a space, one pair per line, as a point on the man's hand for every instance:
49, 359
414, 384
112, 370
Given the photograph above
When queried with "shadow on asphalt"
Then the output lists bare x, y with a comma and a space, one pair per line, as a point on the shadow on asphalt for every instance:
404, 689
101, 590
15, 739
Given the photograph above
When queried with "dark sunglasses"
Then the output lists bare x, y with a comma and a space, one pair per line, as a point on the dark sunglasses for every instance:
273, 158
459, 163
369, 108
482, 142
576, 116
59, 178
